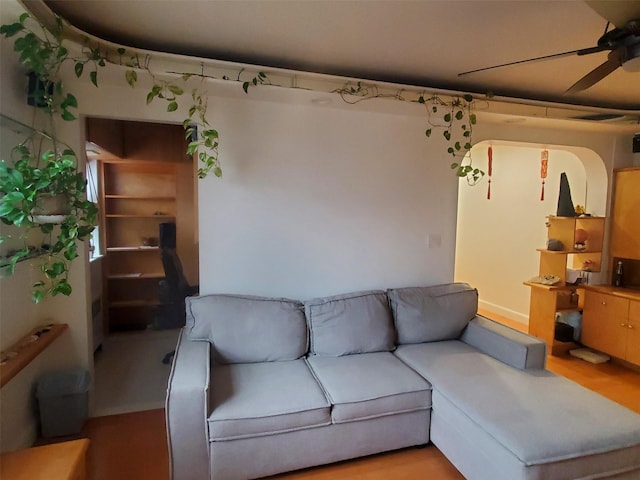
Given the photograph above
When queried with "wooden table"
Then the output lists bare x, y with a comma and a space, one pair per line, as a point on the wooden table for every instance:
57, 461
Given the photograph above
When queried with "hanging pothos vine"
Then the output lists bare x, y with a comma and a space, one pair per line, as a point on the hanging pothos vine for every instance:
205, 140
458, 115
202, 137
453, 115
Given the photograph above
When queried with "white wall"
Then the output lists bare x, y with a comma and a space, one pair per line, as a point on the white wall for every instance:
318, 201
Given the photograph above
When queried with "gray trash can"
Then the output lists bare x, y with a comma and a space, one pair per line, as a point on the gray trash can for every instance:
63, 401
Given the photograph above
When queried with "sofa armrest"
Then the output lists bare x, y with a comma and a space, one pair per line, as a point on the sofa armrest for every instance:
503, 343
187, 407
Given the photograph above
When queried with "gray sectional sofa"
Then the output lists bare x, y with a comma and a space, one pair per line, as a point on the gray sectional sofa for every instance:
261, 386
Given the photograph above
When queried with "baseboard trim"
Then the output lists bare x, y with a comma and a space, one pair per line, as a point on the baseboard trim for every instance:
505, 312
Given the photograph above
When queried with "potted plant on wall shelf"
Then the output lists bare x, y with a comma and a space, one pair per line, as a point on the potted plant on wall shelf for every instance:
43, 168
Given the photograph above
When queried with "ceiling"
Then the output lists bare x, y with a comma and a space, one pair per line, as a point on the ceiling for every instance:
423, 43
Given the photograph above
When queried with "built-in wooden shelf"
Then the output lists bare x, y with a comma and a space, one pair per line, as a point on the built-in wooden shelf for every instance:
128, 215
565, 252
136, 276
133, 303
21, 353
140, 248
547, 300
568, 309
140, 197
550, 287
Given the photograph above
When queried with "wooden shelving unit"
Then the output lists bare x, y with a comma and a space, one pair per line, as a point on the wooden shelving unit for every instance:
547, 300
146, 180
139, 196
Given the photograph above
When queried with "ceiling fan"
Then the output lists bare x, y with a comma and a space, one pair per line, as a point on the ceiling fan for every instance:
622, 42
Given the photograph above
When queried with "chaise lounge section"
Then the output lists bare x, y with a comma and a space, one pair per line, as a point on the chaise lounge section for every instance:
261, 386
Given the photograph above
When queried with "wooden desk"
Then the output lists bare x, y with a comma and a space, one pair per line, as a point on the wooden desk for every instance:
57, 461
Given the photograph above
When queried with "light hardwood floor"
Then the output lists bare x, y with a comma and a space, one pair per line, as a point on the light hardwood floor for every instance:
134, 446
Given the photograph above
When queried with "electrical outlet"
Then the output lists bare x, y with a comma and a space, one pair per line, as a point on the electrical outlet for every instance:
434, 240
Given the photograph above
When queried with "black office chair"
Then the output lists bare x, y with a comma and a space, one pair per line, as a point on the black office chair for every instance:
174, 288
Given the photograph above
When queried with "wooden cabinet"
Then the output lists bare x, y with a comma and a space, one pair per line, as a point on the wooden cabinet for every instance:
611, 325
625, 223
633, 333
611, 315
582, 240
151, 183
604, 323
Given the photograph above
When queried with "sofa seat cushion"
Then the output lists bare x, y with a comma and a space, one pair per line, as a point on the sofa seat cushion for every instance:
537, 415
255, 399
370, 385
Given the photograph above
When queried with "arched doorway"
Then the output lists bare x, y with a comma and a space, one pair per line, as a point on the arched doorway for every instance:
497, 239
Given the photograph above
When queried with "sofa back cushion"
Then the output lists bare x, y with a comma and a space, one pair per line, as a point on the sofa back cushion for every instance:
358, 322
429, 314
248, 329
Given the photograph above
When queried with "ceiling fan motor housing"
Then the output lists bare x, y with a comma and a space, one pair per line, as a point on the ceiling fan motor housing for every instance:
633, 27
630, 56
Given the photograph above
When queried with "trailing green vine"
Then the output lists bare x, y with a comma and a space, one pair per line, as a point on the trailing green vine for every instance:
260, 79
205, 136
357, 92
203, 139
456, 123
43, 167
457, 129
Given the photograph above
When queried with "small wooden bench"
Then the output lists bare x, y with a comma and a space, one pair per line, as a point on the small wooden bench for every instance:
57, 461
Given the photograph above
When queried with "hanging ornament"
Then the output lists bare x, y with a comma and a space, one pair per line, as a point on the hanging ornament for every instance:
544, 160
489, 170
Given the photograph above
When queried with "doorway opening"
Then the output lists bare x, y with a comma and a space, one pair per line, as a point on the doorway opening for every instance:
147, 191
497, 238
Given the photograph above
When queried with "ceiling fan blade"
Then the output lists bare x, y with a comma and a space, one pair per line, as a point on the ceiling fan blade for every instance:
618, 12
582, 51
597, 74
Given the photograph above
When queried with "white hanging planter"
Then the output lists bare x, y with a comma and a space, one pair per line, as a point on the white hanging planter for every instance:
52, 209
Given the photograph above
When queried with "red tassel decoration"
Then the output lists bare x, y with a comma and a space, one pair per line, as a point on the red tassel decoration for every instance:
489, 170
544, 160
